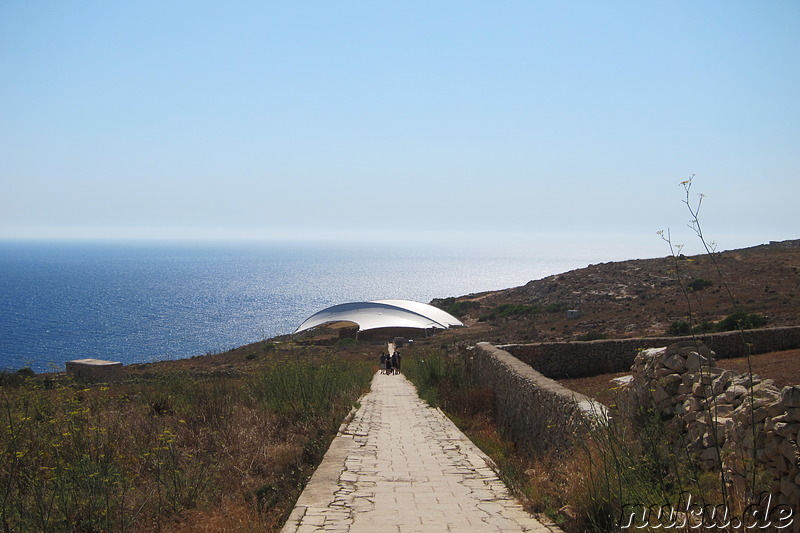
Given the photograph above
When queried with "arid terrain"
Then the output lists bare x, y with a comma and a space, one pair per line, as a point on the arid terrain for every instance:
614, 300
237, 424
643, 297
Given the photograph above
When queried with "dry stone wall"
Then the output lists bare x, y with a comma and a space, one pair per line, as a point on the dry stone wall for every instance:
534, 409
730, 420
577, 359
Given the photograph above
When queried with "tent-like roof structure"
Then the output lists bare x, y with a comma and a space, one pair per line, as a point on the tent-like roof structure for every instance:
383, 314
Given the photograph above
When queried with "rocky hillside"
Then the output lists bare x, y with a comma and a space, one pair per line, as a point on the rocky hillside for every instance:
639, 297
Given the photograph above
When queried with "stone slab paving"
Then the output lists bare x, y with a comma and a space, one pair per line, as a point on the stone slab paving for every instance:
401, 466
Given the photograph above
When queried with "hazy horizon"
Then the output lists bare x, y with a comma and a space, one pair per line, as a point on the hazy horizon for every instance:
603, 247
408, 122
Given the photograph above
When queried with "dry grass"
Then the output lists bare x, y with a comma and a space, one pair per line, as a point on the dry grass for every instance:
641, 298
171, 450
544, 484
587, 484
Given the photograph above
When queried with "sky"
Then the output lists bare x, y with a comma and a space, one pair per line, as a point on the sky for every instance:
571, 121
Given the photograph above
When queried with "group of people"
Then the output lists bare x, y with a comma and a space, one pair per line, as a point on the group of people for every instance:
390, 364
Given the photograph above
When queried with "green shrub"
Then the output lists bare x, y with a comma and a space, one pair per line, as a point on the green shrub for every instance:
730, 323
15, 379
456, 308
591, 336
679, 328
434, 372
307, 389
704, 327
506, 310
555, 308
346, 343
741, 321
699, 284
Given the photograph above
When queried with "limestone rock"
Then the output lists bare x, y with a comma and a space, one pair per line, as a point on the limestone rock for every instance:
734, 391
663, 371
676, 363
789, 451
725, 414
701, 391
724, 410
694, 361
793, 414
791, 396
721, 382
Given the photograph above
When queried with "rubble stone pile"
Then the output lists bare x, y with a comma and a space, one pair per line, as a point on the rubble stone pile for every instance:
729, 419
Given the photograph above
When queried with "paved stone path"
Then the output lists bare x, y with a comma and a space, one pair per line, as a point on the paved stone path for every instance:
401, 466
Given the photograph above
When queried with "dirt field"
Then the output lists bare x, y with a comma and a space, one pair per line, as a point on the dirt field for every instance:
781, 367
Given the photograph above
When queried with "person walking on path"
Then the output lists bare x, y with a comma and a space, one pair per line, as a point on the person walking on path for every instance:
383, 363
396, 362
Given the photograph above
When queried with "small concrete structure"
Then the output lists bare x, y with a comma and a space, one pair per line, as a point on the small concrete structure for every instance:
95, 370
573, 313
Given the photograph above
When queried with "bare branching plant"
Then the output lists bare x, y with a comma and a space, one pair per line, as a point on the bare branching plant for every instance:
694, 207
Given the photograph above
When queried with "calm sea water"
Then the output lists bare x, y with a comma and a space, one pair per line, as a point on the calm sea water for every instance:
153, 301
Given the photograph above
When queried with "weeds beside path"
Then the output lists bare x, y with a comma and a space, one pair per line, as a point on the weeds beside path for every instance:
584, 487
172, 451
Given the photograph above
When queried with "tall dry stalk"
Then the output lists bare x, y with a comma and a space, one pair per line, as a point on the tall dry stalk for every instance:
710, 248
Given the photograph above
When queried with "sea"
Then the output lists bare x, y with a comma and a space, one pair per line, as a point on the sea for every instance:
138, 302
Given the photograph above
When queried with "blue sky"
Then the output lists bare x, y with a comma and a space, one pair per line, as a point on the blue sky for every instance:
413, 120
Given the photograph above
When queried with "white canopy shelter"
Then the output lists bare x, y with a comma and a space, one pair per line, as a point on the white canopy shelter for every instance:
383, 314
